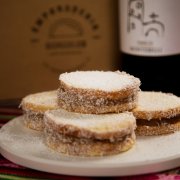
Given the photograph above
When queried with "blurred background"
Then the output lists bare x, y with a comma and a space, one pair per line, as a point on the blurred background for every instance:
42, 38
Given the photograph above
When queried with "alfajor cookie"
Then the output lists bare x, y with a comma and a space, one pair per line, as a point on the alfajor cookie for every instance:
97, 92
157, 113
34, 107
89, 134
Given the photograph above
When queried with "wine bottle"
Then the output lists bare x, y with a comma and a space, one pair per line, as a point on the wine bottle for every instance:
150, 42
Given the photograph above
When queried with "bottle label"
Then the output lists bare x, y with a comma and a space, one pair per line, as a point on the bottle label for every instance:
150, 27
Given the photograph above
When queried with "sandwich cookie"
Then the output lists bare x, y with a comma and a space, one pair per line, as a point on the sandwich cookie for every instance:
157, 113
96, 92
34, 106
89, 134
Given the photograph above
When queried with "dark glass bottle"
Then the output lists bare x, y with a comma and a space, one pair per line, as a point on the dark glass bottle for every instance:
150, 44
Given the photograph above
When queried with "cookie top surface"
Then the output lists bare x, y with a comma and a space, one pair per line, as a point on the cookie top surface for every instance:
157, 105
91, 123
41, 101
99, 80
101, 123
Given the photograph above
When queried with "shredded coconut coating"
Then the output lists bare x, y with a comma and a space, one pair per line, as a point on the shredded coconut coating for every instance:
157, 105
40, 102
70, 145
34, 120
106, 126
97, 99
77, 101
159, 129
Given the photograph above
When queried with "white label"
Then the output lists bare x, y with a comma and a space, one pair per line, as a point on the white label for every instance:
150, 27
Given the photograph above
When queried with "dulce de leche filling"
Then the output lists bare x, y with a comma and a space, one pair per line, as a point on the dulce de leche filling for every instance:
158, 122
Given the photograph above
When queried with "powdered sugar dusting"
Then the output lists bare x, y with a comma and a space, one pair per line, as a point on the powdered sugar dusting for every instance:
99, 123
47, 98
157, 101
99, 80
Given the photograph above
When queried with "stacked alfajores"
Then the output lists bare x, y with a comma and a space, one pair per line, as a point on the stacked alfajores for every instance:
93, 120
89, 114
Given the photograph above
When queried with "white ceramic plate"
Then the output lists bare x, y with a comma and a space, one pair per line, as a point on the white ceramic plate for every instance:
150, 154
